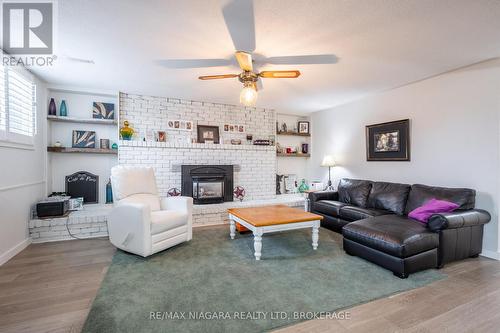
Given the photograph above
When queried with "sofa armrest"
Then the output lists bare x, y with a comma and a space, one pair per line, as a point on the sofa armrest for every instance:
458, 219
129, 227
323, 195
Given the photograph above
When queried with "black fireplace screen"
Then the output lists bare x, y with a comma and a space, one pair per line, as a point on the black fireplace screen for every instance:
207, 183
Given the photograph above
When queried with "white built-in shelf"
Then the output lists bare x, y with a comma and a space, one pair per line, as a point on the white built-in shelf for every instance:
293, 133
82, 150
82, 120
292, 155
82, 92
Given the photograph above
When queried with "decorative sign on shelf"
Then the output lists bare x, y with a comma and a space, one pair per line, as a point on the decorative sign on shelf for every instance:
83, 184
103, 110
83, 139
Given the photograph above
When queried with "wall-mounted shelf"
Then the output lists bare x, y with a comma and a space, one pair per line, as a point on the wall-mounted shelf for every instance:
294, 133
82, 150
293, 155
82, 120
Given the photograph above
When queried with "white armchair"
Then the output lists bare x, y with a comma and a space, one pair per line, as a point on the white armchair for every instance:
141, 222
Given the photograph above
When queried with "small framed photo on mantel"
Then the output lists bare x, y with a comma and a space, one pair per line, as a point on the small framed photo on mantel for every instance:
208, 134
388, 141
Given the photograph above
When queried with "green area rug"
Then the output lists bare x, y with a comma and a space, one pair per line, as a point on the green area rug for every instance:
214, 284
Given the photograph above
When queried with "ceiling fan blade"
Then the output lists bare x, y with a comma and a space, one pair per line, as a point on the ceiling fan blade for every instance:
244, 60
215, 77
239, 18
193, 63
280, 74
302, 60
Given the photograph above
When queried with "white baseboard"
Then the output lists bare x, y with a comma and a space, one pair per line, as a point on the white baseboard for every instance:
491, 254
4, 257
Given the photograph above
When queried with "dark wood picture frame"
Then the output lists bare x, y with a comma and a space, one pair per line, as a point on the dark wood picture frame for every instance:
388, 141
201, 129
305, 123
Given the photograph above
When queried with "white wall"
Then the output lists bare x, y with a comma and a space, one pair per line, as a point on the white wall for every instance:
22, 183
454, 136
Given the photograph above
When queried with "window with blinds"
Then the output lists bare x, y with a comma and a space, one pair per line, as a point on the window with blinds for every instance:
3, 114
17, 106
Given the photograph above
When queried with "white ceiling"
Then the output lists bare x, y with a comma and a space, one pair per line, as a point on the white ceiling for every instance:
380, 44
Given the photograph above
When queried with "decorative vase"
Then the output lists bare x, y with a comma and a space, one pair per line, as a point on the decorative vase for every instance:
303, 186
305, 148
52, 107
126, 132
63, 110
109, 192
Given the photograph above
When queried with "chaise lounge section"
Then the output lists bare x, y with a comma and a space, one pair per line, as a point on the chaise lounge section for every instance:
373, 218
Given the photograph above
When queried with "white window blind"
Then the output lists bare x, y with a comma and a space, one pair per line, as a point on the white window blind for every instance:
3, 106
18, 106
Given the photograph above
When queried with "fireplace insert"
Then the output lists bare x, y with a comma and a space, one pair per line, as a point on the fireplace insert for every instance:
207, 184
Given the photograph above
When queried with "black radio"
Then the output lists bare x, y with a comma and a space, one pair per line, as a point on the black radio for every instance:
52, 208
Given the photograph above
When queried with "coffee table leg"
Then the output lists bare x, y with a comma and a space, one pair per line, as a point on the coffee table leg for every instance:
257, 244
232, 228
315, 236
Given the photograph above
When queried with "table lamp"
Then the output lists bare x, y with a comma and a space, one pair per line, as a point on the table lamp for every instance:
329, 162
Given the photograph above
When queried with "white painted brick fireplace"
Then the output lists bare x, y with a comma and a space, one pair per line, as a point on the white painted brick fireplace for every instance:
254, 166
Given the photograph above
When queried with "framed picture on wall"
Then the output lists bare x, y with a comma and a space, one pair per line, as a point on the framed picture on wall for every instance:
303, 127
388, 141
208, 134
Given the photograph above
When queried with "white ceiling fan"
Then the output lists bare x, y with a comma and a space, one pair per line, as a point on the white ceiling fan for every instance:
239, 19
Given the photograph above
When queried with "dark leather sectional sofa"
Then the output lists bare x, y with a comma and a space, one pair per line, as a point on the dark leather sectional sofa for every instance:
372, 216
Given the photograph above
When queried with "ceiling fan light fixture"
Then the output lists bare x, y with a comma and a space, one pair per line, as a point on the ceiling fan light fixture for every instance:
248, 95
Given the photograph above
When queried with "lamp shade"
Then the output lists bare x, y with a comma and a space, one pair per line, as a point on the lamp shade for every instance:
328, 161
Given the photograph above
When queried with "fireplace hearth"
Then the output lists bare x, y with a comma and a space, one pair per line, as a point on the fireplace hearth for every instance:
207, 184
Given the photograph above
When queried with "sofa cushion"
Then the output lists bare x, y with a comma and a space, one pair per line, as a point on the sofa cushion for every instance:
354, 192
164, 220
392, 234
353, 213
151, 200
389, 196
328, 207
420, 194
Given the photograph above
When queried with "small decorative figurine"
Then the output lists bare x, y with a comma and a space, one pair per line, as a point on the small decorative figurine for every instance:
126, 132
303, 186
173, 192
239, 192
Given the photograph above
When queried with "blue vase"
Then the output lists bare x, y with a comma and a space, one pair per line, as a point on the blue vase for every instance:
63, 110
109, 192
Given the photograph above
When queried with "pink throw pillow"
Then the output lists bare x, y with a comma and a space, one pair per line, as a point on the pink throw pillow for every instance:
431, 207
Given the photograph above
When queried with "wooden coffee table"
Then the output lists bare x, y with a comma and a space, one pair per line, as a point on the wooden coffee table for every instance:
261, 220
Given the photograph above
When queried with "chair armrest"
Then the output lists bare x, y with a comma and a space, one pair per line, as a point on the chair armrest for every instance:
181, 204
184, 204
129, 227
458, 219
323, 195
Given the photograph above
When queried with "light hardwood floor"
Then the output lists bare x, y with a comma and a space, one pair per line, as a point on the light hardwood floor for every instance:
50, 287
